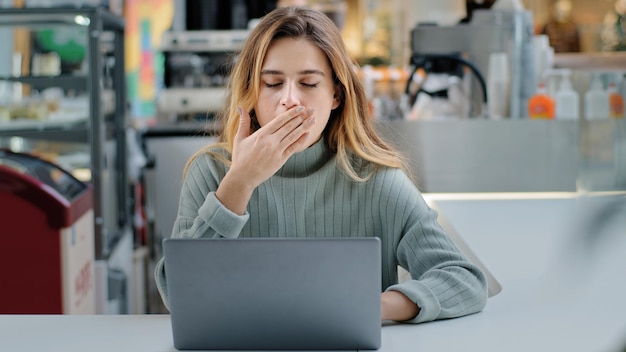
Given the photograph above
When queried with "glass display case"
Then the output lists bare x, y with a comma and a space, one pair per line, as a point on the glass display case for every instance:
62, 97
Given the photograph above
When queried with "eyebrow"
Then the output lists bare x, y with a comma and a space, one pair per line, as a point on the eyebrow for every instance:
303, 72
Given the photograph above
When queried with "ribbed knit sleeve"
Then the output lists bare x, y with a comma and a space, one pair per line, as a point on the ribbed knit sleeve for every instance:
200, 213
444, 283
311, 197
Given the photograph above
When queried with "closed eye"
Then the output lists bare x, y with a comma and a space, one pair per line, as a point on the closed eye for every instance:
274, 85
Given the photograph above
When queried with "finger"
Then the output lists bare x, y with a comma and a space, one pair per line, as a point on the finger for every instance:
243, 130
296, 123
297, 146
290, 115
293, 129
296, 141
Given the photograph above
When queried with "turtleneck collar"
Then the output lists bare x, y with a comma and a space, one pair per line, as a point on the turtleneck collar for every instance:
307, 161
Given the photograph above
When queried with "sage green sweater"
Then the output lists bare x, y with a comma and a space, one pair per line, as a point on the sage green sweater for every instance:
311, 197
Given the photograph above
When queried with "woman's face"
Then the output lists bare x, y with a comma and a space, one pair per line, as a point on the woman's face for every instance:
296, 72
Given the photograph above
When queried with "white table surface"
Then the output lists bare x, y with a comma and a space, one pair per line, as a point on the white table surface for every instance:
561, 291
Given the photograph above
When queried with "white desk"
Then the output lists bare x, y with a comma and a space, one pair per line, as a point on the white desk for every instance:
563, 299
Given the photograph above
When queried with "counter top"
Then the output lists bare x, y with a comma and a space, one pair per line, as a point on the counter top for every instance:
498, 328
560, 262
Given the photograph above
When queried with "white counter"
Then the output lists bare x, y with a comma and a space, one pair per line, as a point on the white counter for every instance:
562, 291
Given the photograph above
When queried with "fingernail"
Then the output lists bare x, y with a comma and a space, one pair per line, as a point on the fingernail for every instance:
310, 111
240, 110
300, 109
310, 121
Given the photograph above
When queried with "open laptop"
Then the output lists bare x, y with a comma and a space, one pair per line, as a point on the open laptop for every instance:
274, 293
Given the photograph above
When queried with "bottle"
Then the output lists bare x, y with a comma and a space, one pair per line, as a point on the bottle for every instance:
596, 100
541, 105
515, 5
498, 85
567, 101
616, 102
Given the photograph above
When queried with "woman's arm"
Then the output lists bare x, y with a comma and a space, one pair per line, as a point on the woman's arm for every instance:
444, 283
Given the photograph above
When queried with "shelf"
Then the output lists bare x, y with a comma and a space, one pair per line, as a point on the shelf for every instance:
613, 61
59, 15
41, 82
184, 129
64, 131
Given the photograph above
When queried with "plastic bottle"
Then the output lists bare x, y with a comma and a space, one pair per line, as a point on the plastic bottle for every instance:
515, 5
596, 100
498, 85
566, 99
541, 105
616, 102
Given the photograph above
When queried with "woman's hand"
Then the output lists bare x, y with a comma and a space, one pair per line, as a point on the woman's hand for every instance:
394, 305
260, 154
257, 156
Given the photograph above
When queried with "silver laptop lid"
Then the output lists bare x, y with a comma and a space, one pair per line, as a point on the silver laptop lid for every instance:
274, 293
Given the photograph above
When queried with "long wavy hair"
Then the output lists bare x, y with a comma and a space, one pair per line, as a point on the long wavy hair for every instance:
349, 133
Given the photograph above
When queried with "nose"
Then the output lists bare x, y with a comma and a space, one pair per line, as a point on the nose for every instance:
289, 96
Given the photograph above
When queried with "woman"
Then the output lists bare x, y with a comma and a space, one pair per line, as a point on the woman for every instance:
298, 156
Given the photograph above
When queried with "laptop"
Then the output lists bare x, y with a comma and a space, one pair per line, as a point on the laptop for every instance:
274, 293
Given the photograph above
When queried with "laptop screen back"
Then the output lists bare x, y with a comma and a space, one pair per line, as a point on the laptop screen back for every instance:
274, 293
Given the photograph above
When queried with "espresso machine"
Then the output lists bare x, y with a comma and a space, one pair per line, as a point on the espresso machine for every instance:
199, 52
197, 65
471, 45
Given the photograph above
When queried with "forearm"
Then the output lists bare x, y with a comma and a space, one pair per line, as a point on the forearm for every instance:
396, 306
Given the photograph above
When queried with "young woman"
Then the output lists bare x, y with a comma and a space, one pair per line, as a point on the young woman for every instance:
299, 157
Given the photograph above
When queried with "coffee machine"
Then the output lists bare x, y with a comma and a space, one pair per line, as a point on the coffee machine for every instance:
199, 52
472, 45
197, 66
441, 94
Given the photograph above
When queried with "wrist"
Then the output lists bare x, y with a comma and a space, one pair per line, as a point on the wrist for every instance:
397, 306
234, 193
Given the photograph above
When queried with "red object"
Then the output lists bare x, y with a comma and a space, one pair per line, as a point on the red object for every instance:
616, 102
32, 214
541, 105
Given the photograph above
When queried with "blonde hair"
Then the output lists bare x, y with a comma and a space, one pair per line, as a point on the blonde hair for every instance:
349, 131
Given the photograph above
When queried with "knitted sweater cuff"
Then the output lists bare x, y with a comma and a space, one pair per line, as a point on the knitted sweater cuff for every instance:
423, 296
221, 219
